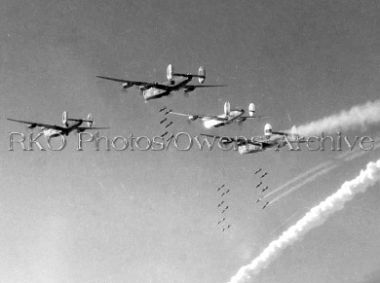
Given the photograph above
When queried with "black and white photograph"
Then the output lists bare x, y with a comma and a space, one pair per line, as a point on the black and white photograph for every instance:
205, 141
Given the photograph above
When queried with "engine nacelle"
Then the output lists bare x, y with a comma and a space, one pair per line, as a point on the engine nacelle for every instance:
251, 109
189, 89
89, 120
227, 108
65, 118
126, 85
169, 72
193, 117
268, 130
201, 74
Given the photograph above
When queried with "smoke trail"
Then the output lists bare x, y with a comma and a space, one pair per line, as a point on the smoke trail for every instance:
358, 117
315, 217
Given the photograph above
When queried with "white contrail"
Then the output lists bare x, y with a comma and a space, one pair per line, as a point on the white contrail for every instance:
358, 117
304, 182
360, 153
318, 170
297, 178
315, 217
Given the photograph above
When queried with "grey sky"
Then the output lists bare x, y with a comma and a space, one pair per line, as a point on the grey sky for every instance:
151, 216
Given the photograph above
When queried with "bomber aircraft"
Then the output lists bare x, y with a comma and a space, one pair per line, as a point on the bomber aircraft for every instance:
229, 116
50, 130
175, 81
270, 139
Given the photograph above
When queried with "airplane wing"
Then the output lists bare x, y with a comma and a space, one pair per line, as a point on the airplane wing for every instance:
137, 83
242, 141
92, 128
211, 136
197, 116
281, 133
192, 87
36, 124
258, 117
260, 140
228, 139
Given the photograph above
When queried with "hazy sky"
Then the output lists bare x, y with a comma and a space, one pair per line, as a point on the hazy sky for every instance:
151, 216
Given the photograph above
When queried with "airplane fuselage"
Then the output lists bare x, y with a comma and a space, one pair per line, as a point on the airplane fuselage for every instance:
173, 85
250, 148
48, 132
222, 120
51, 132
274, 141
